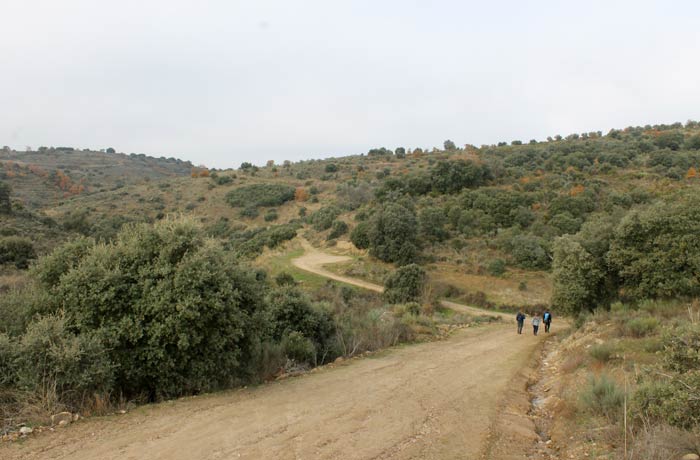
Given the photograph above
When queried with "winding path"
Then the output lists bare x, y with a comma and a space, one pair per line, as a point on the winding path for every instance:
314, 261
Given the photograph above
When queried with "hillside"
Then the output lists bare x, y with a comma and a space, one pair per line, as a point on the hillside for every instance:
270, 266
41, 179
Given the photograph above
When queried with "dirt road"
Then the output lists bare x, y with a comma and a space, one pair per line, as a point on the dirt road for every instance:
429, 401
314, 261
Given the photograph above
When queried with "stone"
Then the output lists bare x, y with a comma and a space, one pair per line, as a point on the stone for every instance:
63, 423
338, 360
76, 417
56, 419
690, 457
25, 430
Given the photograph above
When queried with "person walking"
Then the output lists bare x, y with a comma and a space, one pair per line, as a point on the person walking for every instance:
520, 318
547, 320
535, 324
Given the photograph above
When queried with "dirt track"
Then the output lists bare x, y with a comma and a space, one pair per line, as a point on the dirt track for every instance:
429, 401
314, 260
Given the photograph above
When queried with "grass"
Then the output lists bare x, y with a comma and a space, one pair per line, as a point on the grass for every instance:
276, 262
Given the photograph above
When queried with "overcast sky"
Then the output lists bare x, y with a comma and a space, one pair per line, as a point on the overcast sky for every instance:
222, 82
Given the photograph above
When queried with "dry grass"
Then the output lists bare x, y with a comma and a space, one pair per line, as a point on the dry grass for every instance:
500, 290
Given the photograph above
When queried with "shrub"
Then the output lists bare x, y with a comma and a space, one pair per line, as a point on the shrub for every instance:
285, 279
338, 229
223, 180
298, 348
682, 348
640, 327
291, 310
360, 235
603, 396
249, 212
5, 202
675, 400
177, 313
497, 267
52, 358
601, 353
392, 234
257, 195
271, 215
405, 285
323, 218
17, 251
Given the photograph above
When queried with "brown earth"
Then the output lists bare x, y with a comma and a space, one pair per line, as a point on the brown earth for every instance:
436, 400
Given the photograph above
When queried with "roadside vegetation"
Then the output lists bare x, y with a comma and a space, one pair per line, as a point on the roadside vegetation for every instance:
122, 253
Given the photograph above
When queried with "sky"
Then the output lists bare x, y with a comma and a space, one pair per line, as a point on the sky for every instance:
223, 82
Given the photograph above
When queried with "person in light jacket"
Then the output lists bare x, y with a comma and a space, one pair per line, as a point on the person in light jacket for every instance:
535, 324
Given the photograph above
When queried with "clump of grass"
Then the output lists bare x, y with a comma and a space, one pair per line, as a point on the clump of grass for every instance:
603, 397
641, 327
602, 353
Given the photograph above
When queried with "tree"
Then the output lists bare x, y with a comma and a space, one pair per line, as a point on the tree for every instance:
449, 145
576, 277
692, 173
670, 140
360, 235
110, 150
5, 203
177, 314
392, 234
431, 223
331, 168
405, 285
16, 250
453, 176
656, 251
400, 152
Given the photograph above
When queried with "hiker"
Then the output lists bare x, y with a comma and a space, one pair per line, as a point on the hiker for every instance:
520, 318
547, 320
535, 324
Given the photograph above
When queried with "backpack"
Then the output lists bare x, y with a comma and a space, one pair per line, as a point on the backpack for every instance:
547, 316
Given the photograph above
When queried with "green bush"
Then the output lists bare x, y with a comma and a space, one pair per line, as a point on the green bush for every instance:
285, 279
641, 327
360, 235
393, 234
257, 195
8, 352
5, 202
405, 285
51, 358
271, 215
291, 310
603, 397
298, 348
249, 212
682, 348
17, 251
497, 267
177, 314
602, 353
339, 228
675, 401
323, 218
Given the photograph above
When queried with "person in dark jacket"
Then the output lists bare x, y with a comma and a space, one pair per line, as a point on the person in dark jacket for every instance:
520, 318
547, 320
